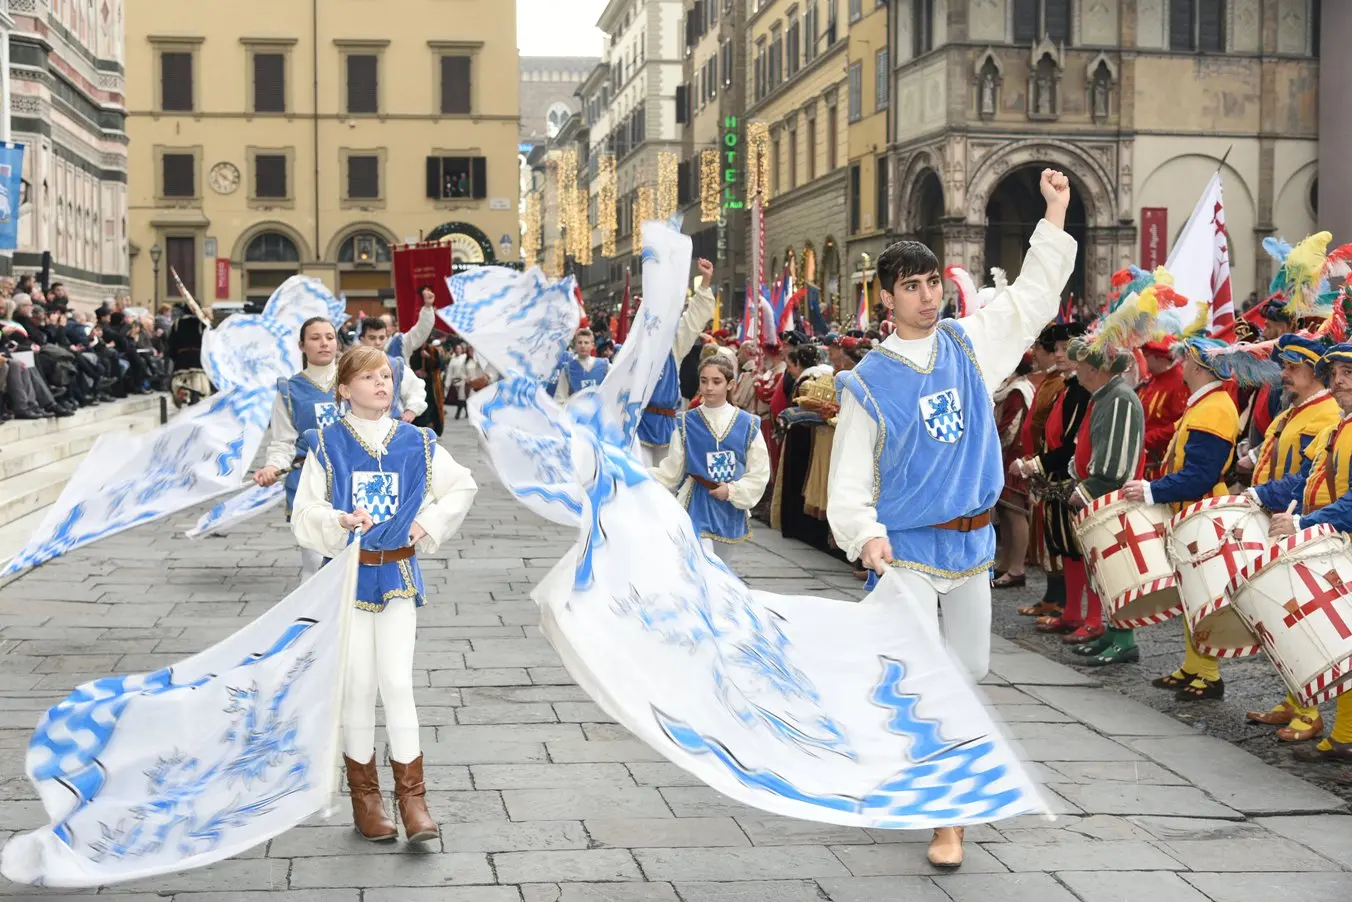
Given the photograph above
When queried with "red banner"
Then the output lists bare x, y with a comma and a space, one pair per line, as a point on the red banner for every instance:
222, 278
416, 266
1154, 237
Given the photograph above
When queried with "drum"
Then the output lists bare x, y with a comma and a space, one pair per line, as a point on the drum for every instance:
1295, 598
1126, 552
1210, 541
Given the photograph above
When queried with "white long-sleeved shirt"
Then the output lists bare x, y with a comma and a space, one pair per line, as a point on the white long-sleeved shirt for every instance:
412, 391
747, 491
1000, 333
697, 313
282, 446
315, 521
417, 336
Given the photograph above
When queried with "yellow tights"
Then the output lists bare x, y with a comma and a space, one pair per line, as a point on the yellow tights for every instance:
1207, 667
1302, 716
1342, 723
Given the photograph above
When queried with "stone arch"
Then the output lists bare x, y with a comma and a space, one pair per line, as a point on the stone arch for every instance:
247, 236
910, 184
1086, 173
347, 231
1292, 213
829, 274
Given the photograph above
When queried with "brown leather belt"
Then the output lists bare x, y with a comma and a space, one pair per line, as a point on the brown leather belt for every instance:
376, 558
660, 411
707, 483
967, 524
298, 462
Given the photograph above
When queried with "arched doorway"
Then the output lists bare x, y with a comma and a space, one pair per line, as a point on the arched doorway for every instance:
828, 272
1014, 210
365, 272
929, 212
269, 260
469, 245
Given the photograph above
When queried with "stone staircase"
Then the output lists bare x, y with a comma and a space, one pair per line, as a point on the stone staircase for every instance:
38, 458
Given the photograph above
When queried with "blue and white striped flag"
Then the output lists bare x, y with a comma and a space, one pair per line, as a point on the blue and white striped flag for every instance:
177, 769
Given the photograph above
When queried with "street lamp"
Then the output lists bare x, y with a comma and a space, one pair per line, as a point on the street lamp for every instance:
155, 254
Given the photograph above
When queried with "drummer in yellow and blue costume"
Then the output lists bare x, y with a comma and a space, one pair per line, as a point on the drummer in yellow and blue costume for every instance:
1195, 464
1322, 491
1279, 478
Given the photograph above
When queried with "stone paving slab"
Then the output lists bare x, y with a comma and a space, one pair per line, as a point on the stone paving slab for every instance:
542, 799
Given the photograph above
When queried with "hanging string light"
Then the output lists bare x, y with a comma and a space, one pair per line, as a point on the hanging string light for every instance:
668, 181
606, 219
643, 208
556, 264
530, 240
710, 185
758, 160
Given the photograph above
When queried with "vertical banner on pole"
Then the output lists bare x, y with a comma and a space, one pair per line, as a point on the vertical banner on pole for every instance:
11, 181
1154, 237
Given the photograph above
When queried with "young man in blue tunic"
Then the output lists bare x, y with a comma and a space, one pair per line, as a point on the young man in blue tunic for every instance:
410, 393
658, 421
916, 468
583, 369
717, 460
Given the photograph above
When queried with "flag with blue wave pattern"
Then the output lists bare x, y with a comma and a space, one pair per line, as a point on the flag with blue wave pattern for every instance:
845, 713
161, 772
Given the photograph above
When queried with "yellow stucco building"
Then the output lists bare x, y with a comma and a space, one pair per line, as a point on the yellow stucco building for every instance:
312, 137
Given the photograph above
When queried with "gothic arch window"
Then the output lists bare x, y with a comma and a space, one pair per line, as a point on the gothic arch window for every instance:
556, 118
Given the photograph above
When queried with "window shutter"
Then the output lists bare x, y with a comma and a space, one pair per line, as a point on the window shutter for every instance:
269, 83
178, 177
362, 85
682, 92
363, 177
434, 177
270, 176
478, 176
176, 82
455, 85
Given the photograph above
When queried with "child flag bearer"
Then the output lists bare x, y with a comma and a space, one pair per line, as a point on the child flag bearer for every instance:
407, 495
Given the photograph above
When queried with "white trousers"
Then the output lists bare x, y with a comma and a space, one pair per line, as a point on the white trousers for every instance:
310, 562
966, 623
380, 661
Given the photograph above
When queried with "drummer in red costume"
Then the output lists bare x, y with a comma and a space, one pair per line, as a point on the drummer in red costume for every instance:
1321, 492
1164, 397
1035, 442
1196, 462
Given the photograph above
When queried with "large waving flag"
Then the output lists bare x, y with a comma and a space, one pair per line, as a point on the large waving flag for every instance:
198, 762
861, 313
749, 691
1200, 259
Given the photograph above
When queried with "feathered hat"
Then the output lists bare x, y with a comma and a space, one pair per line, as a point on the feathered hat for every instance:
970, 298
1304, 272
1137, 314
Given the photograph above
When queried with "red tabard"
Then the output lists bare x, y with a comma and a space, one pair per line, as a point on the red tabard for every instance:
1084, 451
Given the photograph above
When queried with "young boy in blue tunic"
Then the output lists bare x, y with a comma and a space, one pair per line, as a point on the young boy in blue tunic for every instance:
407, 495
717, 459
915, 467
583, 370
304, 402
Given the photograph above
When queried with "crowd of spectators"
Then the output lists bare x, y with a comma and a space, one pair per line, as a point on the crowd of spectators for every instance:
55, 360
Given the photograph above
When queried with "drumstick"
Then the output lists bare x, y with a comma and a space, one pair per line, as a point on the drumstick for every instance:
1291, 508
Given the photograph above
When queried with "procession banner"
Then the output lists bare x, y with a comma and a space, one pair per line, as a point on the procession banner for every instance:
128, 480
198, 762
238, 508
415, 266
1154, 237
11, 195
843, 713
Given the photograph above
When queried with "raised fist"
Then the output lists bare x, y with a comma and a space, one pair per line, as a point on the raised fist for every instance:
706, 269
1055, 189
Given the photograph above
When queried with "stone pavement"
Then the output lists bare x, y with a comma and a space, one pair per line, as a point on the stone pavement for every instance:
541, 799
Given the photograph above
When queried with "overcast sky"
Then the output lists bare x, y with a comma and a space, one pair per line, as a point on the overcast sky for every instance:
559, 27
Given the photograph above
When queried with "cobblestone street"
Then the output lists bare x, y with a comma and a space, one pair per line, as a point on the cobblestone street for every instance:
541, 799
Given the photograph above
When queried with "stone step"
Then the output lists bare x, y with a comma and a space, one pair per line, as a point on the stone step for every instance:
15, 535
34, 491
20, 430
30, 454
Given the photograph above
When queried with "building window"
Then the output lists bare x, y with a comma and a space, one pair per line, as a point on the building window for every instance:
832, 31
727, 63
810, 31
881, 78
180, 255
270, 176
776, 56
1197, 25
455, 85
832, 138
363, 177
855, 179
811, 148
457, 178
682, 104
761, 64
363, 83
269, 260
1035, 19
271, 247
793, 157
881, 182
856, 10
269, 82
176, 81
856, 91
793, 44
774, 164
364, 249
178, 175
922, 27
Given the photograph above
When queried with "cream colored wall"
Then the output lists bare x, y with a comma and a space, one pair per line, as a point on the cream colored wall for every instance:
868, 136
408, 129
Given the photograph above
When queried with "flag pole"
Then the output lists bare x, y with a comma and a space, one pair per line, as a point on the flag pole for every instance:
1221, 164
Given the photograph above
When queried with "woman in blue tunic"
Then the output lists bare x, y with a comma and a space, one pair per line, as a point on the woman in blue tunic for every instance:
304, 401
407, 495
717, 460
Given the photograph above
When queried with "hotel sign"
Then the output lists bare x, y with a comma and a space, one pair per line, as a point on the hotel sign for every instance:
731, 142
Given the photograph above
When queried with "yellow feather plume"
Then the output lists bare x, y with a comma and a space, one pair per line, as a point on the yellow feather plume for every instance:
1302, 268
1199, 324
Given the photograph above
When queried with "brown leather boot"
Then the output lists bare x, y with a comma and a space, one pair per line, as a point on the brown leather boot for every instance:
368, 809
945, 849
409, 793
